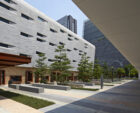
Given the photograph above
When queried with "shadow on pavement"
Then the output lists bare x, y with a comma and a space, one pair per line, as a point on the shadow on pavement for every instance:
122, 99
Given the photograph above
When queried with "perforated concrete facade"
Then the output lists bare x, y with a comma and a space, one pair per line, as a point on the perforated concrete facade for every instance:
24, 31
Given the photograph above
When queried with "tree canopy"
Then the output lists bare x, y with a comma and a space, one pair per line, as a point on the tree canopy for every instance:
85, 69
61, 64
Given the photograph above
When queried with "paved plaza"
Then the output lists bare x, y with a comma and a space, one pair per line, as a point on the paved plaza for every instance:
121, 98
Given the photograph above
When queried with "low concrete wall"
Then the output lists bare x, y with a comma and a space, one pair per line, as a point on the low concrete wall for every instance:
76, 85
85, 83
14, 86
49, 86
31, 89
27, 88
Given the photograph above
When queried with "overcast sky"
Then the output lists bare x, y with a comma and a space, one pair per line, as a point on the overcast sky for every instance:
59, 8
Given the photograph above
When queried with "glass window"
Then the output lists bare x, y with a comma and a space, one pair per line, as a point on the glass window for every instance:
6, 21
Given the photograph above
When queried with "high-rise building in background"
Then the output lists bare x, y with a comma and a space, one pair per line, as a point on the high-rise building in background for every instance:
69, 22
105, 51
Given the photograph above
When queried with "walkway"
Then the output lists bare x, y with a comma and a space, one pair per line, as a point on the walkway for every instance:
122, 99
10, 106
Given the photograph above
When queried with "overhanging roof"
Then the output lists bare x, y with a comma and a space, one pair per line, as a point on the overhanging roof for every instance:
12, 60
119, 20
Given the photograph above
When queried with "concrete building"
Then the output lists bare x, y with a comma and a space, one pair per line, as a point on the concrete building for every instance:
119, 21
69, 22
27, 32
105, 51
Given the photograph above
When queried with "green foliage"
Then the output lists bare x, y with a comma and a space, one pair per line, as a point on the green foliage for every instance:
106, 71
127, 69
85, 69
61, 64
130, 71
133, 72
41, 68
30, 101
120, 72
98, 71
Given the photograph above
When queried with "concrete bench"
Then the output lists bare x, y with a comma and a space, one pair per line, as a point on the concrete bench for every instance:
27, 88
31, 89
89, 84
77, 85
14, 86
85, 83
49, 86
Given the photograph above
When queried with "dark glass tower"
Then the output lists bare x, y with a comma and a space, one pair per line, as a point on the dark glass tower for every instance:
69, 22
105, 51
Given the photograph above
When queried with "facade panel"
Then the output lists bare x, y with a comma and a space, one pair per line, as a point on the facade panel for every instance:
23, 35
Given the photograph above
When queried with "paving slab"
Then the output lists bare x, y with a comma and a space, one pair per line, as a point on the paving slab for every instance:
124, 98
10, 106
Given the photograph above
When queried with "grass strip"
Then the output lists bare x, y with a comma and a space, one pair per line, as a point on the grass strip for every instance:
27, 100
88, 89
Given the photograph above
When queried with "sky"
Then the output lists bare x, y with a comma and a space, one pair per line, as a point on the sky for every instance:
56, 9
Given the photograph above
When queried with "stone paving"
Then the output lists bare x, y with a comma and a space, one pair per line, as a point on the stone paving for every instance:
122, 99
10, 106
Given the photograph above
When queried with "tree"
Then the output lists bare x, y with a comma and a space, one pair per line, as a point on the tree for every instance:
133, 72
106, 70
120, 72
97, 72
127, 69
61, 64
41, 68
85, 69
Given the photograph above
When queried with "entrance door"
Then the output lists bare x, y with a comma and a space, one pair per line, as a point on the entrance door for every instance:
2, 77
29, 76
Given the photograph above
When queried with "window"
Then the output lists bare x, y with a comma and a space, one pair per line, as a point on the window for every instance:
68, 50
76, 39
69, 35
41, 35
37, 52
51, 60
62, 31
52, 30
21, 54
80, 54
6, 21
10, 1
85, 52
75, 48
6, 7
86, 46
6, 45
25, 34
41, 19
80, 51
61, 43
26, 17
40, 40
88, 57
29, 76
74, 61
52, 44
16, 78
69, 39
